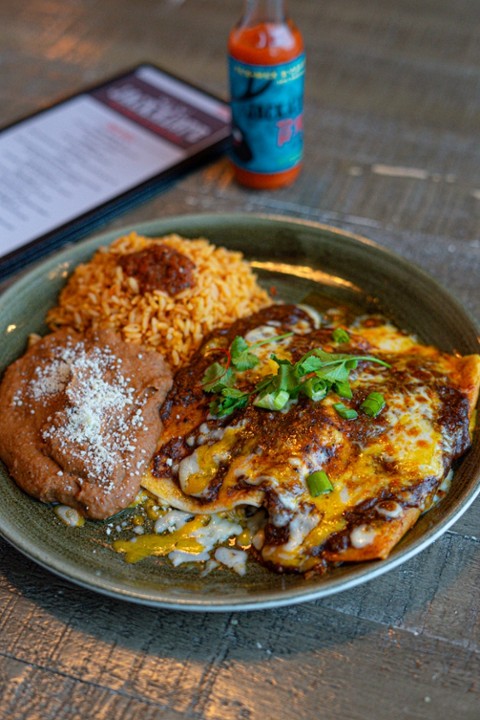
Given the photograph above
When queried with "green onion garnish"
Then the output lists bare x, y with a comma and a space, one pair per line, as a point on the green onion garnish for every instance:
314, 375
345, 412
343, 389
373, 404
340, 336
273, 401
319, 483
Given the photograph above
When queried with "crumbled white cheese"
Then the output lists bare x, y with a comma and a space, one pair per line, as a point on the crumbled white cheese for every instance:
187, 467
258, 334
217, 531
177, 557
313, 314
232, 558
389, 509
68, 515
172, 520
92, 425
362, 536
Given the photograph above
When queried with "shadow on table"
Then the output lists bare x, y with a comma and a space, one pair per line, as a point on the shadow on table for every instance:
403, 598
248, 664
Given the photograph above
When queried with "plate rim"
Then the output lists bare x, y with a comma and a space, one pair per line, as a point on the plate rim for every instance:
361, 573
143, 227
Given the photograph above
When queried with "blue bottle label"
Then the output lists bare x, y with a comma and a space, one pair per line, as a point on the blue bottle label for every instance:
267, 115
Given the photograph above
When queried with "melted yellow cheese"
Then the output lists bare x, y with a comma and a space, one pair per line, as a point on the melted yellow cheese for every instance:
145, 545
197, 470
396, 453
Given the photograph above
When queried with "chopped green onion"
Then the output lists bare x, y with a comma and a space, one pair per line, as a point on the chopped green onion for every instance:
373, 404
343, 389
314, 388
285, 376
316, 374
340, 336
345, 412
319, 483
273, 401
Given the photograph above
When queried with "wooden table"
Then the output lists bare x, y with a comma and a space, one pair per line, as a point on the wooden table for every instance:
393, 153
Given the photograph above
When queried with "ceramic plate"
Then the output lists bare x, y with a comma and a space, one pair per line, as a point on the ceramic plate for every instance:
305, 262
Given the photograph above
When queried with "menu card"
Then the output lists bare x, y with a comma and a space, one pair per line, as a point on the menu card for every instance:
76, 157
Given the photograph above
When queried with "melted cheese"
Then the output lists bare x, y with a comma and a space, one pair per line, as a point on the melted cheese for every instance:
386, 337
196, 471
232, 558
181, 539
384, 470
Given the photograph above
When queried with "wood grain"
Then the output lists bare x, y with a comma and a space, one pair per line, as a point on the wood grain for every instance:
392, 119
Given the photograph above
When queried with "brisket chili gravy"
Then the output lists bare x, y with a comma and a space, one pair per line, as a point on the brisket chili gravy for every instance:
340, 436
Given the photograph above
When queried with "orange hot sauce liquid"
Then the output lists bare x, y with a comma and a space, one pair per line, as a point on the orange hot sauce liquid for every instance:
266, 44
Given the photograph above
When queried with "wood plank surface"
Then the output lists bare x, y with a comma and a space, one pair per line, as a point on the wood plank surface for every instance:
393, 153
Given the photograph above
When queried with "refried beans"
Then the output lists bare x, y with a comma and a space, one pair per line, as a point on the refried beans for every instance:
79, 419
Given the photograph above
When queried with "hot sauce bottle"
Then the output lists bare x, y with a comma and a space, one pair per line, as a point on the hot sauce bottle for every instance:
266, 74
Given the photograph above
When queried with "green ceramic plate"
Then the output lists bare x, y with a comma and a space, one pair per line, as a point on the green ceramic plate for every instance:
305, 262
